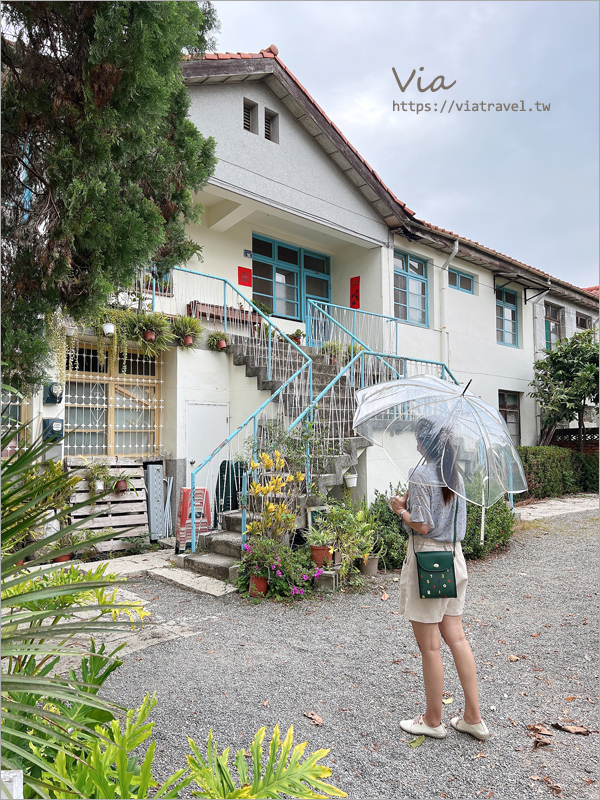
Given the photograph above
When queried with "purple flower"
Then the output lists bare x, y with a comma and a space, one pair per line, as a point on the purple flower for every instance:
318, 572
247, 548
273, 566
305, 577
300, 591
278, 573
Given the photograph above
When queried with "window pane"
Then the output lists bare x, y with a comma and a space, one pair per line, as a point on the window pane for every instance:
466, 283
499, 294
399, 262
133, 442
262, 270
400, 312
262, 248
416, 267
85, 417
499, 335
265, 299
287, 309
283, 276
316, 287
399, 281
452, 278
510, 297
285, 292
287, 255
316, 264
416, 287
262, 286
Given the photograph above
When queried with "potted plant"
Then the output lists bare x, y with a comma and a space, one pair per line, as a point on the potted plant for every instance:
152, 331
98, 476
320, 539
351, 478
71, 540
186, 330
297, 336
217, 340
333, 350
258, 557
370, 545
123, 483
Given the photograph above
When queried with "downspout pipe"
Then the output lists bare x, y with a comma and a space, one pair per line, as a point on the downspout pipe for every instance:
443, 288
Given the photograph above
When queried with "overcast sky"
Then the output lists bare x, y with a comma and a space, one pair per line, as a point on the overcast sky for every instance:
523, 183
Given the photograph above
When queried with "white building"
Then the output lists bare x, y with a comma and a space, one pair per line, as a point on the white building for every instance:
295, 217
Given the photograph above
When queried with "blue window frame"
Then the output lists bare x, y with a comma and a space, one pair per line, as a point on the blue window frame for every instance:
284, 277
410, 289
461, 281
506, 318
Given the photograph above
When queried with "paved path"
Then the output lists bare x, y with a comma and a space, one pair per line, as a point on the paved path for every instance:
531, 617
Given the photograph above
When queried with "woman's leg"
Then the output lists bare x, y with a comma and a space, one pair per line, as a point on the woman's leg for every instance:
452, 630
427, 635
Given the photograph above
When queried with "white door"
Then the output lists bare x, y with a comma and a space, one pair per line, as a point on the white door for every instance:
207, 426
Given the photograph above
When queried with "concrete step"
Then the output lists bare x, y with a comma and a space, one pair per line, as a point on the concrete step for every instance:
186, 579
227, 543
209, 564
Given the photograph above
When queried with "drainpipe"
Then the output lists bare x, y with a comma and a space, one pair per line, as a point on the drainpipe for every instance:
538, 416
443, 288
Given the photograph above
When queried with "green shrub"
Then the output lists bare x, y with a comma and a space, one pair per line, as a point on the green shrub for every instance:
499, 527
290, 573
554, 471
388, 527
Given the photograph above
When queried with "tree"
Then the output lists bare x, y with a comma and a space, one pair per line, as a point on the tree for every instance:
566, 383
100, 162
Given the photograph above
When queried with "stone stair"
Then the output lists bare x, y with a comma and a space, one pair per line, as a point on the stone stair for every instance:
218, 552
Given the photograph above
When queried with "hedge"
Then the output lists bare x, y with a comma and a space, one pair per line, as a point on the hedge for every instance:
499, 527
554, 471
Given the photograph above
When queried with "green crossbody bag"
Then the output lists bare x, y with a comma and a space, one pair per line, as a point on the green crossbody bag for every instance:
435, 569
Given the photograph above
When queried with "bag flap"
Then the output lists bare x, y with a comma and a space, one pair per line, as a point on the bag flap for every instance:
435, 560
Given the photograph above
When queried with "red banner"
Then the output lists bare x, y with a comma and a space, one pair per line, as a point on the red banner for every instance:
244, 276
355, 292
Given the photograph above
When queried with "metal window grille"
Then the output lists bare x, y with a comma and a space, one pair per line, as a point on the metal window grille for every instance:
247, 118
268, 128
15, 411
112, 409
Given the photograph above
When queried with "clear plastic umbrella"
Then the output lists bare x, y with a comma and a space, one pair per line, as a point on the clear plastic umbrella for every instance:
463, 441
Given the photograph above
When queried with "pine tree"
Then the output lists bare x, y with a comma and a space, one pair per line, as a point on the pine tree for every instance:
100, 162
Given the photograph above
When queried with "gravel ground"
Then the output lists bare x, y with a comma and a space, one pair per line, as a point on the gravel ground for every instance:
352, 660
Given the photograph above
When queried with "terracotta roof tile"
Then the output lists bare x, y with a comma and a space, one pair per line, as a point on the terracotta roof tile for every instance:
592, 290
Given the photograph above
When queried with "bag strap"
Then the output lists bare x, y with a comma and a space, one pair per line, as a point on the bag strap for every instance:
456, 499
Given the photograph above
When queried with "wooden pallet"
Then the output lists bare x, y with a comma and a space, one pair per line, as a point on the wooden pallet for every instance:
126, 513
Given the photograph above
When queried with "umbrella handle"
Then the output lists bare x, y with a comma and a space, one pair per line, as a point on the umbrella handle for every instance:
481, 536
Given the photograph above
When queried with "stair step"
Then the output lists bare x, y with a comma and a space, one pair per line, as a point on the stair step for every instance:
210, 564
227, 543
186, 579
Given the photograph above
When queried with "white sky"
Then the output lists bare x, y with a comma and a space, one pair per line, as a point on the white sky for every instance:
523, 183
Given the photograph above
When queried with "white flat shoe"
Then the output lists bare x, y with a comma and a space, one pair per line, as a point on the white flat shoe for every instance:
418, 728
479, 731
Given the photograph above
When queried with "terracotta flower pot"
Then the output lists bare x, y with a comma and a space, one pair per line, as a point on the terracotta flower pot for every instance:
222, 344
320, 554
20, 563
66, 557
121, 486
188, 340
149, 336
258, 586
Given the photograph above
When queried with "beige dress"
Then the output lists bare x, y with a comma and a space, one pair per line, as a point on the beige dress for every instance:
426, 505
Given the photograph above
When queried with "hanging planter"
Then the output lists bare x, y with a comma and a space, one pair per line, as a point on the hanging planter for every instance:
350, 479
70, 331
186, 330
108, 329
149, 336
152, 330
217, 340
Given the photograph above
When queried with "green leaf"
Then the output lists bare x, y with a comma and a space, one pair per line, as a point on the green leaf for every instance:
416, 742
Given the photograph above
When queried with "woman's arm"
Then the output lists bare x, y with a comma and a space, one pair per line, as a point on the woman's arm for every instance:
399, 507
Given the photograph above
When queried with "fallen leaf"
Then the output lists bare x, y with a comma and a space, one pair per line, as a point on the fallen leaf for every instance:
569, 699
479, 755
541, 742
266, 703
571, 728
539, 728
416, 742
397, 661
512, 722
447, 701
513, 658
315, 719
384, 596
535, 635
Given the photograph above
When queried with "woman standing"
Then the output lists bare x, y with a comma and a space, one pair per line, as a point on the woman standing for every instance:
428, 513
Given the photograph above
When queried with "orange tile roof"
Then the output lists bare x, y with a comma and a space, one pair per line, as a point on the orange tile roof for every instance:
273, 52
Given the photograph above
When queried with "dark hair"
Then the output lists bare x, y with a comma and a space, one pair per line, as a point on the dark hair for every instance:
438, 447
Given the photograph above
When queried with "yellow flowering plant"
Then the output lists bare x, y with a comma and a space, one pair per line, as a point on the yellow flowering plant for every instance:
273, 496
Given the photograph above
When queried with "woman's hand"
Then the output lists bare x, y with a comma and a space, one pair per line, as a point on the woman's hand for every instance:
398, 504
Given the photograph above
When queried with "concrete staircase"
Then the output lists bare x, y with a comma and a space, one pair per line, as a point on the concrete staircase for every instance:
218, 552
